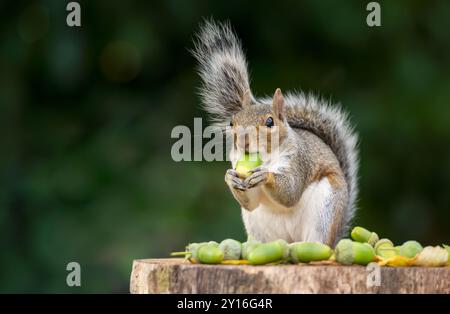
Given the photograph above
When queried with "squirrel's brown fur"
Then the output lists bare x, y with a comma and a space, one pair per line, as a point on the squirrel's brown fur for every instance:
316, 143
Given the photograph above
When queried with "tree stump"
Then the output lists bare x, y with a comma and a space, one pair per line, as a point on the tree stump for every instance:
178, 276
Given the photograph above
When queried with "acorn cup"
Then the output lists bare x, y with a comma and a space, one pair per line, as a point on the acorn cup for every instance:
410, 249
385, 248
349, 252
231, 249
193, 249
362, 235
247, 247
285, 247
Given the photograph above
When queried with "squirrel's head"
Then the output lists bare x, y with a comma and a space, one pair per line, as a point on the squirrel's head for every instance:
259, 127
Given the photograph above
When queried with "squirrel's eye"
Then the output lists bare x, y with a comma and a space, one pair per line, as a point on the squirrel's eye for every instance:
231, 123
269, 122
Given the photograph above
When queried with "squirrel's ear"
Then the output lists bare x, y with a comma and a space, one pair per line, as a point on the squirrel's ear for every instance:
247, 98
278, 104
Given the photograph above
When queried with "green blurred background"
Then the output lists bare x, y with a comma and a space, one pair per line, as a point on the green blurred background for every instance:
86, 116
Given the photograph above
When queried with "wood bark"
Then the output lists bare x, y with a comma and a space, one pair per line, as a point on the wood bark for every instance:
178, 276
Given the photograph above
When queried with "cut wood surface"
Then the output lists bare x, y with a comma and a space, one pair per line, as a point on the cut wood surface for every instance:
178, 276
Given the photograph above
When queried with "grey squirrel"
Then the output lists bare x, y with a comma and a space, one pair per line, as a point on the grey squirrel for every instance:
308, 192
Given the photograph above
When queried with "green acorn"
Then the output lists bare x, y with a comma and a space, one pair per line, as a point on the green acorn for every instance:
306, 252
348, 252
266, 253
210, 254
248, 162
362, 235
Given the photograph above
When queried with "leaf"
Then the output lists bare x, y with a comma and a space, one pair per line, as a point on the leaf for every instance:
324, 262
235, 262
395, 261
431, 256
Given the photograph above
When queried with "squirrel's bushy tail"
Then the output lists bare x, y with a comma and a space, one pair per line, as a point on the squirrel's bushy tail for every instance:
223, 69
332, 125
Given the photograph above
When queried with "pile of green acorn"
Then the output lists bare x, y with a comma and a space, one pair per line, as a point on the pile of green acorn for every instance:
256, 253
364, 247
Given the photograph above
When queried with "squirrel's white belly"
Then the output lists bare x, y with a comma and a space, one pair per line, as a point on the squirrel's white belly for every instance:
302, 222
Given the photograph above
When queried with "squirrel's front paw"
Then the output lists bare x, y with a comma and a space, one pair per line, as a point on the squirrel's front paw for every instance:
258, 176
233, 180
